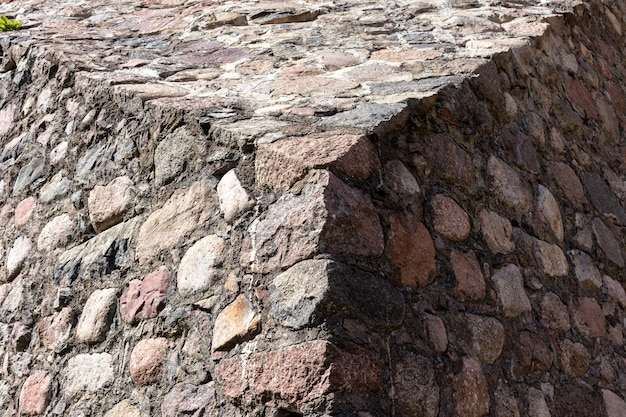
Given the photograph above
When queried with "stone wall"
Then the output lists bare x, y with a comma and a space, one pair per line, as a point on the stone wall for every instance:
354, 209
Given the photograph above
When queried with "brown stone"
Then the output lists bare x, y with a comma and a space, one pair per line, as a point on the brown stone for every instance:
237, 322
35, 394
297, 374
55, 330
108, 204
470, 283
568, 182
534, 353
280, 164
587, 273
508, 187
147, 360
484, 337
615, 290
497, 232
450, 220
550, 259
471, 392
436, 333
24, 211
411, 249
415, 387
509, 286
448, 159
554, 313
550, 214
575, 358
573, 398
505, 402
589, 318
143, 299
607, 242
581, 97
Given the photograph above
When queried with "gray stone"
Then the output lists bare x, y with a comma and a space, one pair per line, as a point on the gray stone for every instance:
58, 153
91, 161
484, 337
87, 374
199, 264
509, 188
171, 155
549, 212
603, 198
509, 286
587, 273
505, 402
28, 174
233, 198
97, 315
615, 405
550, 259
607, 242
59, 186
309, 291
366, 116
399, 183
497, 232
436, 333
416, 389
615, 290
537, 405
17, 256
554, 313
56, 233
187, 399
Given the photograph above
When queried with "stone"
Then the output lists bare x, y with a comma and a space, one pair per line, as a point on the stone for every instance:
233, 198
554, 313
55, 330
588, 317
237, 322
550, 259
171, 155
603, 198
17, 255
123, 409
87, 374
470, 282
35, 394
509, 286
537, 405
280, 164
21, 336
108, 204
450, 220
497, 232
97, 315
28, 174
615, 405
181, 214
615, 290
57, 233
412, 250
399, 184
147, 361
59, 186
297, 374
311, 290
449, 159
58, 153
189, 399
436, 333
339, 219
549, 213
505, 402
574, 398
568, 182
200, 264
534, 353
144, 299
575, 358
470, 390
484, 337
587, 273
415, 387
24, 210
508, 187
607, 242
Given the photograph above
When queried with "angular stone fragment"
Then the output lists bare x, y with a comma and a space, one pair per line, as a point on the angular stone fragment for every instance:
233, 198
415, 387
603, 198
436, 333
55, 330
450, 220
509, 188
449, 159
181, 214
470, 283
615, 405
589, 318
17, 256
471, 392
587, 273
56, 233
297, 374
537, 405
607, 242
509, 286
235, 323
554, 313
147, 360
123, 409
280, 164
95, 320
87, 374
497, 232
24, 211
505, 402
615, 290
144, 299
534, 353
28, 174
550, 259
326, 216
108, 204
35, 394
575, 358
412, 250
309, 291
549, 212
187, 399
484, 337
199, 265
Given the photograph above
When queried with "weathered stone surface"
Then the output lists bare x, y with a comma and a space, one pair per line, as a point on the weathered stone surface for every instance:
505, 402
108, 204
416, 390
550, 213
35, 394
297, 374
497, 232
509, 188
186, 399
55, 330
147, 360
574, 358
182, 213
233, 198
411, 249
199, 265
17, 256
603, 198
615, 405
588, 317
448, 158
470, 283
587, 273
607, 242
143, 299
24, 210
87, 374
484, 337
568, 182
97, 315
537, 405
471, 392
450, 220
509, 286
56, 233
554, 313
550, 259
436, 333
28, 174
123, 409
399, 184
280, 164
615, 290
534, 353
237, 322
171, 154
309, 291
56, 188
573, 398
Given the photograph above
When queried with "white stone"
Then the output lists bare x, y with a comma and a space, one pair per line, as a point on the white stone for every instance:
549, 212
96, 316
58, 153
197, 268
233, 198
17, 256
87, 373
57, 233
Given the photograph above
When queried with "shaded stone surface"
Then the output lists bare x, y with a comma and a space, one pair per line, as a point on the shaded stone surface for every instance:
450, 220
509, 188
587, 273
534, 353
484, 337
602, 197
497, 231
575, 358
551, 259
574, 398
588, 317
554, 313
186, 398
550, 213
568, 182
471, 392
470, 283
615, 405
607, 242
417, 392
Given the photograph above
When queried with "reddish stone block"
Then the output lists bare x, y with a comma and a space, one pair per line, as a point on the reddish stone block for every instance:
471, 392
24, 211
589, 317
568, 182
35, 394
144, 299
147, 360
470, 283
581, 97
534, 353
450, 220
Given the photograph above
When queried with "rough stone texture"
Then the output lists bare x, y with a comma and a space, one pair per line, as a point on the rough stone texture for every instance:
615, 405
470, 283
615, 290
143, 299
537, 405
509, 286
123, 409
607, 242
568, 182
55, 330
108, 204
147, 360
551, 259
574, 358
534, 353
24, 211
436, 332
588, 317
497, 232
418, 392
550, 213
199, 265
554, 313
471, 392
35, 394
97, 315
187, 399
57, 233
87, 374
235, 323
17, 255
450, 220
233, 198
509, 188
587, 273
485, 337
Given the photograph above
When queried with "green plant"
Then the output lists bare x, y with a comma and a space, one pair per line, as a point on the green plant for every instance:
6, 24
